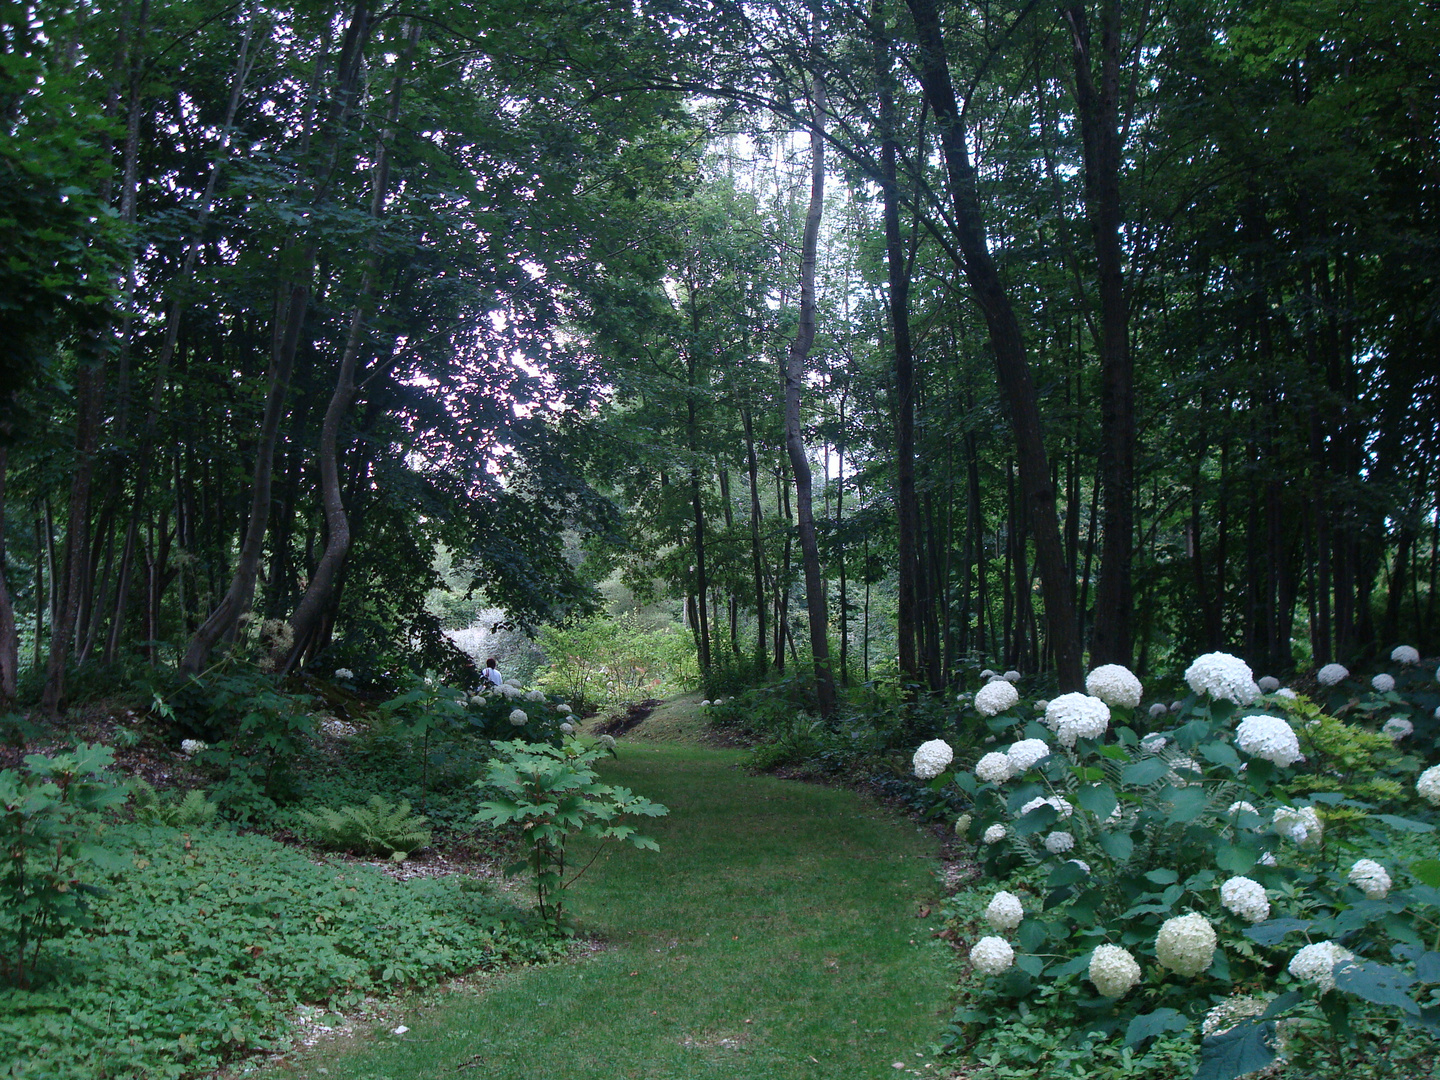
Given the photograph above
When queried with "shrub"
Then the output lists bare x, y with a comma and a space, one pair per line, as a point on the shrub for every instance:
190, 811
377, 828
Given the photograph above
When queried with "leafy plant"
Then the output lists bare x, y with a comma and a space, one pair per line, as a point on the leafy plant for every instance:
377, 828
554, 795
49, 811
192, 810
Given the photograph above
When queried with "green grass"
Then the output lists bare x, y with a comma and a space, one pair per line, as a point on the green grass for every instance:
775, 935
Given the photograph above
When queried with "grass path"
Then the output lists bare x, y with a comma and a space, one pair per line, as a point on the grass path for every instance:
775, 936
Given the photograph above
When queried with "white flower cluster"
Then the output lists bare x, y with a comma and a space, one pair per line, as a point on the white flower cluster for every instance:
563, 709
1154, 742
1113, 971
1158, 710
1011, 676
478, 699
1237, 807
1059, 842
1081, 863
993, 768
994, 834
1405, 654
1268, 684
1114, 684
1224, 677
607, 741
1397, 727
1077, 716
1286, 693
1316, 963
962, 824
510, 693
1370, 878
518, 717
535, 695
1005, 912
1186, 944
191, 747
995, 697
1300, 824
992, 955
1026, 754
705, 704
1246, 898
1062, 807
932, 758
344, 673
1270, 738
1180, 764
1383, 683
1332, 674
1428, 786
567, 728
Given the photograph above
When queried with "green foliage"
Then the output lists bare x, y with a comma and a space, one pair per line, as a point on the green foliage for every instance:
607, 660
554, 796
210, 941
49, 833
377, 828
190, 811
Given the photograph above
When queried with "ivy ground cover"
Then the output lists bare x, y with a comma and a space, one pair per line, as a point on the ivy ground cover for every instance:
776, 933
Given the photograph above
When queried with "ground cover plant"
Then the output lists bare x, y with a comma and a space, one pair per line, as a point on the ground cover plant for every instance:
1242, 870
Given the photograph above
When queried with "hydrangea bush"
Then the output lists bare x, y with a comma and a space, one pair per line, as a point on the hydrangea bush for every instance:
1148, 880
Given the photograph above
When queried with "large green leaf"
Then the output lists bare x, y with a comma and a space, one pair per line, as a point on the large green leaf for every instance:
1099, 799
1378, 983
1233, 1053
1143, 773
1148, 1025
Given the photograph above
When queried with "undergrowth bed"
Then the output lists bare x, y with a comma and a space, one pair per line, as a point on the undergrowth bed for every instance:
204, 946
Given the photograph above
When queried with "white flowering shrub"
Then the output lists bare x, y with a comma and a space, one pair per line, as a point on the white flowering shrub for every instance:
1115, 685
995, 697
1216, 855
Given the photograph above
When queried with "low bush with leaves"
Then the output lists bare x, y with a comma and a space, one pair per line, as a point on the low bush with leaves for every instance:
206, 942
1233, 877
189, 811
377, 828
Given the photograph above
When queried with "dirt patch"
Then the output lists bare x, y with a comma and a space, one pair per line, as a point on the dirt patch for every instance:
633, 716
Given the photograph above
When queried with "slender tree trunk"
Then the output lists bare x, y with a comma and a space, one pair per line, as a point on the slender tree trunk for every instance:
756, 551
9, 632
1099, 112
794, 381
1012, 370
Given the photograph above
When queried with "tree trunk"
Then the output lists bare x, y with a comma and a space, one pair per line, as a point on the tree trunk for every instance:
756, 551
9, 633
1013, 372
794, 380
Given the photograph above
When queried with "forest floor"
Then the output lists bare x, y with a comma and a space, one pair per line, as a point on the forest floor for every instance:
784, 930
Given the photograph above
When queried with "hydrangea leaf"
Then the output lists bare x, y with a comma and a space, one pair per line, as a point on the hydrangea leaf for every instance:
1144, 773
1221, 754
1117, 753
1282, 1004
1429, 1019
1274, 931
1074, 966
1234, 859
1040, 818
1032, 934
1242, 1049
1405, 824
1377, 983
1162, 876
1427, 967
1148, 1025
1427, 871
1117, 845
1187, 804
1067, 873
1099, 799
1032, 964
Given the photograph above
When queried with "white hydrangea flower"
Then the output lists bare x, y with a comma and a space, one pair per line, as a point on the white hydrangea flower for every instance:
344, 673
1236, 807
1286, 693
1246, 898
1158, 710
1011, 676
1113, 971
1059, 802
992, 956
932, 758
518, 717
535, 695
1077, 716
510, 693
995, 697
1316, 963
1268, 684
1176, 706
1186, 944
994, 834
1224, 677
1383, 683
705, 704
987, 674
1005, 912
191, 747
563, 709
477, 699
1081, 863
1332, 674
1026, 754
568, 729
1059, 842
1428, 785
1270, 738
1154, 742
993, 768
1397, 727
607, 741
1405, 654
1229, 1013
1114, 684
962, 824
1370, 878
1300, 824
1177, 764
1041, 704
